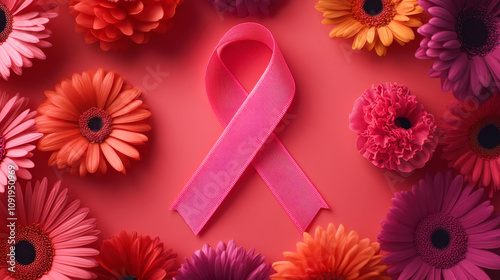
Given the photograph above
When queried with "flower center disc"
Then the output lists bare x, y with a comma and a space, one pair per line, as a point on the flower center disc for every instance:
374, 13
129, 278
477, 31
373, 7
5, 23
3, 151
440, 240
403, 123
34, 253
95, 124
484, 138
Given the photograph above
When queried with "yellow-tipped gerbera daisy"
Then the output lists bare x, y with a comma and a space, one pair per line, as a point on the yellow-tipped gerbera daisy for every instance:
333, 253
373, 23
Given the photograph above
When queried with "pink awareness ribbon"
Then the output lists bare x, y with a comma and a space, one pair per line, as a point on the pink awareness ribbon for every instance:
248, 138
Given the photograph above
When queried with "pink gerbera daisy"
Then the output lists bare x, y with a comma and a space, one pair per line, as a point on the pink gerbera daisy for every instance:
17, 134
52, 235
462, 37
22, 34
442, 229
472, 143
394, 131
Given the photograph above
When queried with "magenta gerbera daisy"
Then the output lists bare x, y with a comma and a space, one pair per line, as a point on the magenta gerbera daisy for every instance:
17, 134
243, 8
442, 229
394, 131
22, 34
462, 37
224, 263
472, 143
52, 235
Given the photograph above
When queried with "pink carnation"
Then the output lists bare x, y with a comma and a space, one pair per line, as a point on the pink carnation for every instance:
394, 131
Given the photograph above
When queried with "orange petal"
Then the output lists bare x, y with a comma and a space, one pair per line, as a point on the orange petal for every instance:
122, 100
128, 136
111, 156
92, 159
134, 116
123, 148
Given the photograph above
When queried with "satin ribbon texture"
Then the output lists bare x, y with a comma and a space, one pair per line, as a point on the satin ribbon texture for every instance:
248, 138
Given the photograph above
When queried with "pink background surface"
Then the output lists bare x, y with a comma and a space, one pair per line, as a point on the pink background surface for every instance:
329, 77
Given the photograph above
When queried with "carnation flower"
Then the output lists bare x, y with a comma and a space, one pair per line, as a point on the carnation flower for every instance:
224, 263
394, 131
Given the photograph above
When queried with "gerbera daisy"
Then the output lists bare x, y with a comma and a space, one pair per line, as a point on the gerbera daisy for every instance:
52, 235
462, 37
243, 8
394, 131
472, 143
332, 254
224, 263
442, 229
118, 23
22, 34
373, 23
133, 256
90, 120
17, 134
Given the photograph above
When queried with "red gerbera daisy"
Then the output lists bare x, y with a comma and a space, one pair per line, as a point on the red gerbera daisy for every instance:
133, 256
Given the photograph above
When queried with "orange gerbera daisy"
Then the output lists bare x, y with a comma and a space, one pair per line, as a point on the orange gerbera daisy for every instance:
92, 120
374, 23
332, 254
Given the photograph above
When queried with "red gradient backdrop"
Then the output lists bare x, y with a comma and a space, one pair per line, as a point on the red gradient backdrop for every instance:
171, 70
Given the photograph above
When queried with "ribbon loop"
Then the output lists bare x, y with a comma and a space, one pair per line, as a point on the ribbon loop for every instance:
248, 138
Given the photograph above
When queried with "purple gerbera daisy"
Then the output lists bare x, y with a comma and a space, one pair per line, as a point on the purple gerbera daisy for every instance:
243, 7
224, 263
463, 38
442, 229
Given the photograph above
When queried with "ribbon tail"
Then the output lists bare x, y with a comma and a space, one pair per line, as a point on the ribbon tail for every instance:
289, 184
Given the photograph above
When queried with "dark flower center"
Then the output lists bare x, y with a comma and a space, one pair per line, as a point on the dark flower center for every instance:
373, 7
403, 122
5, 23
34, 253
374, 13
25, 252
129, 278
95, 124
489, 137
477, 31
440, 238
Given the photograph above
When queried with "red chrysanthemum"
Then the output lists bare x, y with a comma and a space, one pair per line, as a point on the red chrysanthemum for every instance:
133, 256
394, 131
91, 120
118, 23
